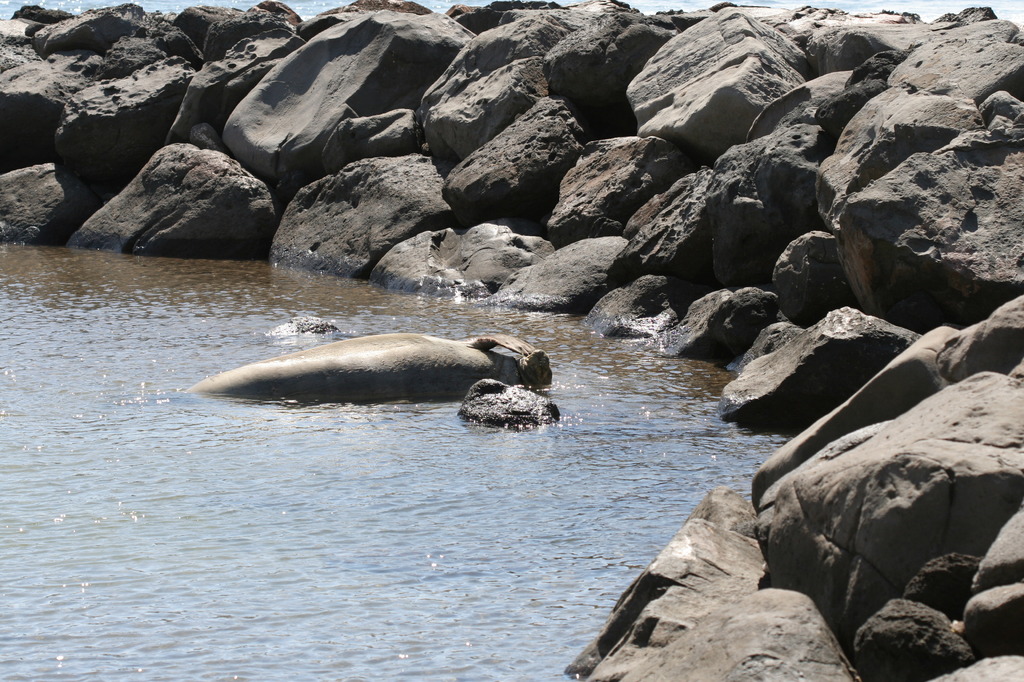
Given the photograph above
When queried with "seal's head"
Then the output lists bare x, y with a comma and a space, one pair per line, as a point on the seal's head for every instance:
535, 369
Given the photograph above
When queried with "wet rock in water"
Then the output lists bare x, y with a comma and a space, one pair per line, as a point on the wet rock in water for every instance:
196, 21
703, 89
471, 263
186, 203
493, 403
32, 99
761, 197
497, 77
815, 372
644, 308
671, 234
369, 66
723, 324
517, 173
345, 223
908, 641
304, 325
571, 280
43, 204
944, 584
611, 180
109, 131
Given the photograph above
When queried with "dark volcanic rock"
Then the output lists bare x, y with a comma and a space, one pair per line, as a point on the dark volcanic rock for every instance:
864, 83
815, 372
516, 174
225, 34
908, 641
95, 30
723, 324
810, 280
43, 204
344, 223
303, 325
612, 179
944, 584
492, 403
644, 308
196, 21
187, 203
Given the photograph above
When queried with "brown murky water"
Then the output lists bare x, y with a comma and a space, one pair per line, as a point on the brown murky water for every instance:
153, 534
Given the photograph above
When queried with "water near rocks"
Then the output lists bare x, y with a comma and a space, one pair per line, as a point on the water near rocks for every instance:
153, 534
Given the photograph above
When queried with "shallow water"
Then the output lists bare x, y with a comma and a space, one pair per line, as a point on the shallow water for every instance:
154, 534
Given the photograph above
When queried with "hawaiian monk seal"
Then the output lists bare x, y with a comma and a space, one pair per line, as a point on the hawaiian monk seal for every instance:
387, 367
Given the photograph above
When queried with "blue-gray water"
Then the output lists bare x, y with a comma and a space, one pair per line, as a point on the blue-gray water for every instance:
153, 534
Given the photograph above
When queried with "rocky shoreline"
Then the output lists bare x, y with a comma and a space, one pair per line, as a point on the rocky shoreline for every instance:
832, 203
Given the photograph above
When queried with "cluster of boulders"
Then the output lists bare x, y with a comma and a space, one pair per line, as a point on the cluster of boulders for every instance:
832, 203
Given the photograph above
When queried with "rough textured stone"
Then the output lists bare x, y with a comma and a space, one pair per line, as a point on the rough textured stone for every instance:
771, 634
910, 378
304, 325
943, 477
32, 98
394, 133
815, 372
865, 82
215, 91
988, 669
195, 21
344, 223
43, 204
723, 324
1003, 564
516, 174
706, 565
186, 202
671, 233
644, 308
1002, 110
810, 280
492, 403
703, 89
908, 641
496, 77
760, 198
992, 621
940, 223
471, 263
799, 106
571, 280
770, 339
944, 584
610, 181
375, 64
95, 30
844, 48
109, 130
225, 34
993, 345
971, 61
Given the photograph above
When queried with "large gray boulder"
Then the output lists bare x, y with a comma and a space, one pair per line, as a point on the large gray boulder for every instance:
215, 91
798, 106
195, 21
375, 64
471, 263
847, 46
992, 621
723, 324
32, 98
908, 641
644, 308
810, 280
671, 234
610, 181
109, 130
943, 477
707, 564
393, 133
224, 35
1003, 564
939, 224
771, 634
344, 223
762, 197
43, 204
972, 61
864, 83
517, 173
186, 203
703, 89
884, 133
496, 77
987, 669
995, 344
815, 372
571, 280
95, 30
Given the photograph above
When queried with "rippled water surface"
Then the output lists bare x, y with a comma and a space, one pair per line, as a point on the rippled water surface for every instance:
154, 534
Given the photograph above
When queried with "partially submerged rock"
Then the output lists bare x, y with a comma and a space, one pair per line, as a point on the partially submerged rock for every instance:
492, 403
43, 204
644, 308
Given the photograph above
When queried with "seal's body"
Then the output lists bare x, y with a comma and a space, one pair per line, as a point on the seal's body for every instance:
384, 368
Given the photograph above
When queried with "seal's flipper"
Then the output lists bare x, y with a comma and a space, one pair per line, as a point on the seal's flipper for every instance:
504, 340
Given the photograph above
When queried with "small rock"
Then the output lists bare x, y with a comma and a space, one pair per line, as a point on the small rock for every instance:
303, 325
493, 403
944, 584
